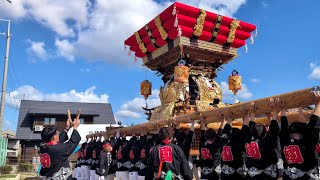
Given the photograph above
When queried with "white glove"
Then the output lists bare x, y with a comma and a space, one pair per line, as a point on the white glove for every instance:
190, 165
118, 134
280, 164
218, 169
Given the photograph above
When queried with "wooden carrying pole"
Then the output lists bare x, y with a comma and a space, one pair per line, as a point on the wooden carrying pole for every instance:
301, 98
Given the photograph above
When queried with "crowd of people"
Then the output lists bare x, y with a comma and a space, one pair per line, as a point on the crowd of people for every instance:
255, 151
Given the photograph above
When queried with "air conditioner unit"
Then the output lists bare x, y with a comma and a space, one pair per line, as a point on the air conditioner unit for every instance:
38, 128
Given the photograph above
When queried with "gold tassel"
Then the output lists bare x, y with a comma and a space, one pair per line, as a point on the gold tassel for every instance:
176, 22
252, 40
174, 11
179, 31
256, 34
246, 48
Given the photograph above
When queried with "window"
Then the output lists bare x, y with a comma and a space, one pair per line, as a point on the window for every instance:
50, 121
81, 120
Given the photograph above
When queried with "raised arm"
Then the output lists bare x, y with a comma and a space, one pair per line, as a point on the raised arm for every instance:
316, 113
143, 137
190, 133
177, 127
228, 127
66, 149
63, 135
203, 129
275, 105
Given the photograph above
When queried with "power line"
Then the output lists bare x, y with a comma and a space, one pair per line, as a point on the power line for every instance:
11, 77
14, 73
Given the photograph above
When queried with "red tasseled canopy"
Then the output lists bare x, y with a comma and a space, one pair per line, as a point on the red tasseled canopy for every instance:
184, 17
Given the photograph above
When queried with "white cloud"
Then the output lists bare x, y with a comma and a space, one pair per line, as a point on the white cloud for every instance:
315, 74
128, 114
62, 17
255, 80
95, 30
227, 8
64, 49
26, 92
243, 94
37, 50
133, 109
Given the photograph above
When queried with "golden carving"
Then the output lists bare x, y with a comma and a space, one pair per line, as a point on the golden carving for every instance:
171, 92
200, 21
141, 44
164, 111
233, 28
163, 32
207, 93
219, 17
181, 74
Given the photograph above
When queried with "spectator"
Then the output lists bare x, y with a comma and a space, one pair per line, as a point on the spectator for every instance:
54, 155
167, 159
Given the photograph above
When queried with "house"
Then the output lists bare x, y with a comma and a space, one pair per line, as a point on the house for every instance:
35, 115
13, 145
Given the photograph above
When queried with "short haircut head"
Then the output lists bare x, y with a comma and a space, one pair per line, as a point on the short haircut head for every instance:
258, 130
298, 127
47, 133
210, 134
181, 136
165, 133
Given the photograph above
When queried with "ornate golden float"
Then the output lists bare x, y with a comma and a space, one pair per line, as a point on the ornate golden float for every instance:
187, 47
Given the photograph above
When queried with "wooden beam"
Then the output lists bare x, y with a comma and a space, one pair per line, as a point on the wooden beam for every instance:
301, 98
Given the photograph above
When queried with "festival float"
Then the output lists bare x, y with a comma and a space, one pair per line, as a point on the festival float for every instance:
187, 46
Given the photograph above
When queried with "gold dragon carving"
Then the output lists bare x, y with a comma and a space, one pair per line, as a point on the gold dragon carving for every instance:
200, 23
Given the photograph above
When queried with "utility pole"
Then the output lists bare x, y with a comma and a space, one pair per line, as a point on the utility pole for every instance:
5, 71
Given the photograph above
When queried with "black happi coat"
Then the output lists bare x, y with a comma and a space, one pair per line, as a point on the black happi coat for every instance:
134, 154
144, 154
82, 151
123, 159
54, 158
300, 154
261, 154
88, 152
209, 157
78, 162
185, 145
115, 147
173, 159
232, 153
95, 155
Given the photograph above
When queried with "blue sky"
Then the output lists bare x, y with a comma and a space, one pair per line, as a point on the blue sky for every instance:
73, 51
